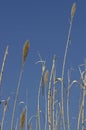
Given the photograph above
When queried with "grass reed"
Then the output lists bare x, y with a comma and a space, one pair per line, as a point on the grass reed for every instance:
56, 113
3, 64
24, 55
22, 119
64, 60
4, 112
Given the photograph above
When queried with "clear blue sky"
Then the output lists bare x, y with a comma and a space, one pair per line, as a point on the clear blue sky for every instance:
45, 24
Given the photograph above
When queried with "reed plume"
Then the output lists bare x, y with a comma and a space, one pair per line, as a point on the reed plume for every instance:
64, 62
24, 55
25, 51
73, 10
22, 119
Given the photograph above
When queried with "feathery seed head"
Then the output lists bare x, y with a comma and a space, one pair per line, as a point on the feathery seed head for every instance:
22, 119
25, 51
73, 10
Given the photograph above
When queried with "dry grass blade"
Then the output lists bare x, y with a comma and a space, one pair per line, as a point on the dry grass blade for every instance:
25, 51
22, 119
4, 60
49, 109
4, 112
73, 10
64, 62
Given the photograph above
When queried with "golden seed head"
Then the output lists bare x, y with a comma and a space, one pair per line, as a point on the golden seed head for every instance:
25, 51
46, 77
22, 119
73, 10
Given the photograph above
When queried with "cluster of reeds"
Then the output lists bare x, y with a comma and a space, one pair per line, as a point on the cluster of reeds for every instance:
56, 112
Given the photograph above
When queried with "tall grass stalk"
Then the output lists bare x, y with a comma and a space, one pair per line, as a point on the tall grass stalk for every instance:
3, 64
26, 117
16, 97
38, 109
45, 109
46, 86
16, 128
49, 94
54, 87
56, 124
41, 86
39, 91
64, 62
4, 112
83, 106
24, 55
26, 124
68, 117
81, 112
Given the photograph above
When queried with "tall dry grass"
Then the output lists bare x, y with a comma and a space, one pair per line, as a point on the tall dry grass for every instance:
56, 112
24, 56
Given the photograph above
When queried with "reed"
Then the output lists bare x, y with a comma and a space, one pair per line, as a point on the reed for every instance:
64, 60
22, 119
56, 112
24, 55
25, 52
4, 112
3, 64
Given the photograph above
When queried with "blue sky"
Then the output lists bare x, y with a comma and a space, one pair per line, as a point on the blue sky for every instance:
45, 24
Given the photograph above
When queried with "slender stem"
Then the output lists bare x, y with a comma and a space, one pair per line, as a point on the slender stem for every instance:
4, 113
38, 110
16, 125
3, 64
2, 124
56, 117
34, 116
45, 109
54, 77
63, 69
26, 110
68, 118
83, 100
80, 112
16, 97
65, 54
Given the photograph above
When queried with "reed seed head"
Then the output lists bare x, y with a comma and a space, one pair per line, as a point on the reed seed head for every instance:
73, 10
22, 119
25, 51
